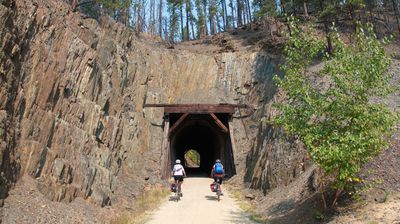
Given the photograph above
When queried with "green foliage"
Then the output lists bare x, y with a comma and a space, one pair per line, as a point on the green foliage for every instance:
335, 111
114, 4
192, 158
173, 9
265, 10
317, 215
328, 12
354, 4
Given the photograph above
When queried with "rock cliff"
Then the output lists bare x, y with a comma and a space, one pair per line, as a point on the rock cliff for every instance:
72, 92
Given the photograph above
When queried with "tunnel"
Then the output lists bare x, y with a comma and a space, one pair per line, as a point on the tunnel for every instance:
202, 133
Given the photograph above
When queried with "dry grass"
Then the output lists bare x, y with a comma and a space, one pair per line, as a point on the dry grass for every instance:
246, 206
142, 206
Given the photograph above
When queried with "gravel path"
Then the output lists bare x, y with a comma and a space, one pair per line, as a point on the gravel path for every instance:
199, 205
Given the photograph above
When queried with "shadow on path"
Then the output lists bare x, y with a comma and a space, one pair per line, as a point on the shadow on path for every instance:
211, 198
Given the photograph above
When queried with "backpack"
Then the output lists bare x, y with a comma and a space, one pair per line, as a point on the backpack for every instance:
218, 169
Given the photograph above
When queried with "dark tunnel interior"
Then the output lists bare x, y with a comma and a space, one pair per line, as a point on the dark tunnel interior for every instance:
201, 133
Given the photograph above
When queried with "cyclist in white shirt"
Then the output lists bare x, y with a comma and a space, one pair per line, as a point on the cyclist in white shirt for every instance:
178, 172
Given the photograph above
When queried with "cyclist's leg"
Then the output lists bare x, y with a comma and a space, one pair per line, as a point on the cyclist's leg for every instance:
176, 181
180, 185
220, 184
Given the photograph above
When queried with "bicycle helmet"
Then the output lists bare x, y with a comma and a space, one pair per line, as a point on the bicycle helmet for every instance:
178, 161
218, 161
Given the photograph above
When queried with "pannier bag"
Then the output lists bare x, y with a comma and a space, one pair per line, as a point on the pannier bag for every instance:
213, 187
173, 187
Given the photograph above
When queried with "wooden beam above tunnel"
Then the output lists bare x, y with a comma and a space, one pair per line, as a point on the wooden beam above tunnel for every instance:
177, 123
219, 123
198, 108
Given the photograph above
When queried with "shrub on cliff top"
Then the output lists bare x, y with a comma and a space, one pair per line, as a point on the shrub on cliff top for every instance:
336, 110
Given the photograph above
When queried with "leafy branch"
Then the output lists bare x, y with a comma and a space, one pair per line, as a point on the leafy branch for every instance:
332, 110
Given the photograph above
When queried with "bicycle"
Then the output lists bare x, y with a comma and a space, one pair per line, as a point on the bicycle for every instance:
216, 187
178, 191
218, 190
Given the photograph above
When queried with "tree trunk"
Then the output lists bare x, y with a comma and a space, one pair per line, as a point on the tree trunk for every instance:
326, 28
181, 15
283, 6
322, 190
249, 14
338, 192
166, 34
216, 23
242, 14
211, 27
244, 10
232, 13
205, 17
305, 8
396, 14
239, 13
187, 20
225, 16
191, 24
136, 16
160, 20
143, 20
211, 16
151, 21
173, 23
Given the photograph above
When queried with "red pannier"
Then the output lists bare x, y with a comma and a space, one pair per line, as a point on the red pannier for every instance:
173, 187
213, 187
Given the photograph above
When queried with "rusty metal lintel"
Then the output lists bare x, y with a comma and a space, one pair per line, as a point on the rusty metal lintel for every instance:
219, 123
198, 108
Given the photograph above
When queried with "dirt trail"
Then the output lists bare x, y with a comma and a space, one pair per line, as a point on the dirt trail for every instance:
200, 205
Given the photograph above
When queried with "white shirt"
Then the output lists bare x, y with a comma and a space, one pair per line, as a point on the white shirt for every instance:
178, 170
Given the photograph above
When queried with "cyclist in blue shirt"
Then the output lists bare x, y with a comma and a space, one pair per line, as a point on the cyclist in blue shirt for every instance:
218, 172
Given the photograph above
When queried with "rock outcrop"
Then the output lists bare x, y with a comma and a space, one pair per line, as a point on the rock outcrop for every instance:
72, 95
71, 105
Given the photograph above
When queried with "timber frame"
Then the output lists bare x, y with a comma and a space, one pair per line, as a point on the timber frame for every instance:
186, 110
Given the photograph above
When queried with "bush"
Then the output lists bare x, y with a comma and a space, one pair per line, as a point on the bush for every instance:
332, 110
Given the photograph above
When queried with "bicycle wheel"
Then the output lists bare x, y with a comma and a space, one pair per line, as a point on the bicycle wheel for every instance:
218, 192
178, 193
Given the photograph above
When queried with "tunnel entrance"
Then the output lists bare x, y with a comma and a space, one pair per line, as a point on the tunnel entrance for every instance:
192, 159
204, 128
202, 133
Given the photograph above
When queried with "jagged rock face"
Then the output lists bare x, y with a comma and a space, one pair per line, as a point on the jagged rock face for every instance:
72, 95
9, 70
71, 111
273, 159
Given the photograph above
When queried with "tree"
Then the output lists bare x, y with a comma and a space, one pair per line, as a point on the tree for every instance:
224, 15
201, 27
188, 17
332, 110
212, 12
396, 13
160, 18
173, 24
239, 7
352, 6
181, 16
